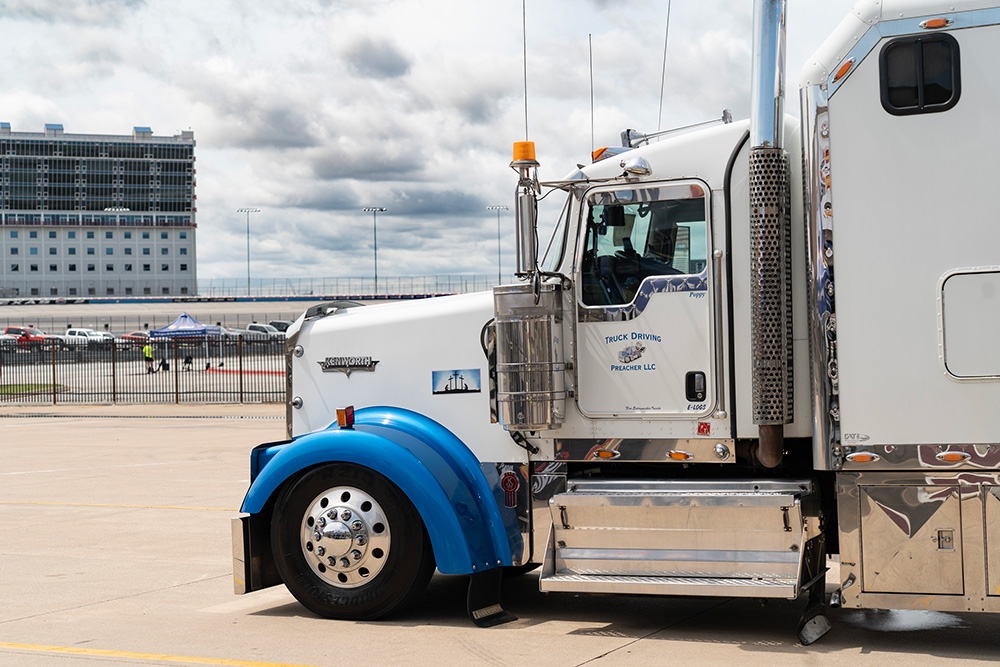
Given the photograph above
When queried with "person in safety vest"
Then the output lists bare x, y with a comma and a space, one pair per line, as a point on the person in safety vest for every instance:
147, 352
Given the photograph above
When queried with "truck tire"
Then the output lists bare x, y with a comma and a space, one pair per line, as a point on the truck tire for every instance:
348, 544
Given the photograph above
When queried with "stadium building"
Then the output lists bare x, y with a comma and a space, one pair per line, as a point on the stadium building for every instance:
85, 215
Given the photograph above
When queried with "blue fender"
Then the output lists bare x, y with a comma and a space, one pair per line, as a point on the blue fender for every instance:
434, 469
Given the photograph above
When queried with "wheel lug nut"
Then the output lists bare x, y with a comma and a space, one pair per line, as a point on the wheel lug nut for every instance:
356, 554
357, 525
361, 540
332, 561
332, 514
320, 551
317, 536
344, 562
321, 522
345, 515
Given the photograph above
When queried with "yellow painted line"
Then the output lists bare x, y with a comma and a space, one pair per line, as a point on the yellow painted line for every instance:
180, 659
140, 507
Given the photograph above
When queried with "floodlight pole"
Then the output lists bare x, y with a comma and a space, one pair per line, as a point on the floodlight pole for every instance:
375, 210
248, 211
498, 208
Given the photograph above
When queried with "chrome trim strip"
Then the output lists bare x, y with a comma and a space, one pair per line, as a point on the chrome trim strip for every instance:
983, 460
702, 450
821, 306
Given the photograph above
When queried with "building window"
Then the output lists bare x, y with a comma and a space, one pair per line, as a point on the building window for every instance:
34, 291
13, 251
920, 74
72, 235
164, 251
164, 267
91, 291
13, 234
128, 291
109, 267
184, 290
184, 267
53, 267
163, 235
32, 251
90, 251
145, 235
128, 251
166, 290
111, 291
15, 268
53, 291
145, 251
33, 267
184, 235
145, 267
52, 235
72, 267
72, 291
90, 235
109, 235
91, 267
32, 235
109, 251
52, 251
146, 290
184, 251
128, 267
128, 235
71, 251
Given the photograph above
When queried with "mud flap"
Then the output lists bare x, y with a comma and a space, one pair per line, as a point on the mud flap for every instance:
814, 623
485, 607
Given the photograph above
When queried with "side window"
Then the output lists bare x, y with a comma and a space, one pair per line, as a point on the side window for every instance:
920, 74
632, 235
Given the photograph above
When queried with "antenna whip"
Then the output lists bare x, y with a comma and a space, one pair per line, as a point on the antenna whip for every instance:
663, 72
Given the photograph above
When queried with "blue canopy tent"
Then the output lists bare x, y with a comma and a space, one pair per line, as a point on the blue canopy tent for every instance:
185, 326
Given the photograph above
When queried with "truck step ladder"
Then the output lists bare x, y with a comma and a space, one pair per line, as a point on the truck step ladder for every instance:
731, 538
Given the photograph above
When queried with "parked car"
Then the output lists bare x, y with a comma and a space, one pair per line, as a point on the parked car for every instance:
8, 343
280, 325
267, 330
30, 338
79, 337
133, 339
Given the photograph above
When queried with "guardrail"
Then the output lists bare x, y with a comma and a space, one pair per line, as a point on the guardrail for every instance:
211, 370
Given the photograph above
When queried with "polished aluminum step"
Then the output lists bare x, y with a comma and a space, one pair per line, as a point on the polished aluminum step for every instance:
706, 586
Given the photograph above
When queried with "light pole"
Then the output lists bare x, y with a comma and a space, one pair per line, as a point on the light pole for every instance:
498, 209
248, 211
375, 210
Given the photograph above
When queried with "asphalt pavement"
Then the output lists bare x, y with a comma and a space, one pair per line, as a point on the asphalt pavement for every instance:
116, 550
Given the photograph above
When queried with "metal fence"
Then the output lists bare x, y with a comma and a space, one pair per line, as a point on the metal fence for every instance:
212, 370
387, 286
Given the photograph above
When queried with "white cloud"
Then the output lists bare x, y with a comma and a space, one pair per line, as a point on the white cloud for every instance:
312, 110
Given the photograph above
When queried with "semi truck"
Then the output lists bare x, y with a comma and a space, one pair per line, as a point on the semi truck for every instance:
817, 305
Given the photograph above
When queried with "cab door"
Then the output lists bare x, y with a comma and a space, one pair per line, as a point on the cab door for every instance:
645, 328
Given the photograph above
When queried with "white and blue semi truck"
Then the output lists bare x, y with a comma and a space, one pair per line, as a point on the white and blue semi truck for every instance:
745, 349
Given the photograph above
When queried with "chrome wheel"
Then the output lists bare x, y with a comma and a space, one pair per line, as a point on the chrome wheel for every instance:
345, 537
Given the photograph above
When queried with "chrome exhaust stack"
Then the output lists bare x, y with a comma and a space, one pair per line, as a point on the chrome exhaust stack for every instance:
770, 235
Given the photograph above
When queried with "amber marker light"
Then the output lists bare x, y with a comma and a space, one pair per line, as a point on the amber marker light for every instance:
345, 417
598, 154
606, 454
863, 457
936, 24
524, 150
952, 457
844, 69
678, 455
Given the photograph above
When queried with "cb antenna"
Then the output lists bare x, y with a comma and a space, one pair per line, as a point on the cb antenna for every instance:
524, 43
590, 43
663, 72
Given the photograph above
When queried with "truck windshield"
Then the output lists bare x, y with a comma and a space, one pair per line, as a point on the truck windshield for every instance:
635, 234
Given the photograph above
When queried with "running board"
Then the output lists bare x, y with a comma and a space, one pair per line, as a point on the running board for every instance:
746, 588
727, 538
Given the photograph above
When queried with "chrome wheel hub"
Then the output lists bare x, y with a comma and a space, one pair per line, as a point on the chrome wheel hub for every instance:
345, 537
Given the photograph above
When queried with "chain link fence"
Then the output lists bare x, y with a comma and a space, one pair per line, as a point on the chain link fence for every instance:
189, 370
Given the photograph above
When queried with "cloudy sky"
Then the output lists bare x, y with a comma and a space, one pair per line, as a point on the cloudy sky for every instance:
314, 109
